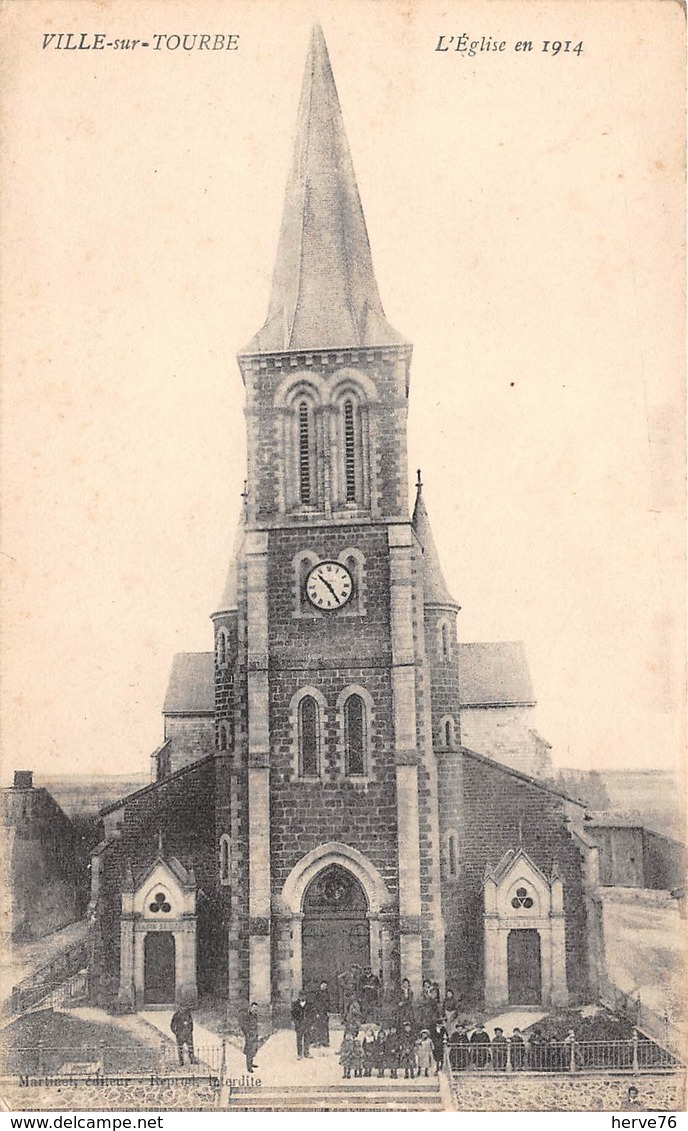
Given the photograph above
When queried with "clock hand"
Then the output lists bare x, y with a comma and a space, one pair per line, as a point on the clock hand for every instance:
326, 582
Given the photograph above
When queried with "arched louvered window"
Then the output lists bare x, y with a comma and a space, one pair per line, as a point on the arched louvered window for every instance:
355, 735
349, 452
304, 453
308, 738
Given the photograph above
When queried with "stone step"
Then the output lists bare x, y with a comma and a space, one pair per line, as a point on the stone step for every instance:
397, 1096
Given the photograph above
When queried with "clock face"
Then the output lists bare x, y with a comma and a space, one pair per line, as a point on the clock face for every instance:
329, 585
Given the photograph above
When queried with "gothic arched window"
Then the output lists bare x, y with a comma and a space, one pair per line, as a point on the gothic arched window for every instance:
355, 735
309, 738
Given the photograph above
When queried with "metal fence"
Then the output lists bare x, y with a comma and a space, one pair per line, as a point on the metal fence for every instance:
65, 976
633, 1055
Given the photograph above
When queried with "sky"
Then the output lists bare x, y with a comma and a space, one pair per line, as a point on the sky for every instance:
525, 213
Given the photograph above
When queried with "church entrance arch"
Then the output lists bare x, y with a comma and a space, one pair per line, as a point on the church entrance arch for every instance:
335, 931
524, 967
159, 968
335, 897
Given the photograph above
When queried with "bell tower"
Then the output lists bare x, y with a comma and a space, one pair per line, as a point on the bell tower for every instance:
331, 601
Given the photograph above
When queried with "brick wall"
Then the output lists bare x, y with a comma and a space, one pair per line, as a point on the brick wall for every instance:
386, 415
444, 671
330, 652
493, 803
182, 808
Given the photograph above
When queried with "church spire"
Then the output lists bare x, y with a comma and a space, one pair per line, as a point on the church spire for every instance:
324, 293
434, 586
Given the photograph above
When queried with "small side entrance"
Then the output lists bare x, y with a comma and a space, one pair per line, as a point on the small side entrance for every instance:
524, 967
159, 968
336, 931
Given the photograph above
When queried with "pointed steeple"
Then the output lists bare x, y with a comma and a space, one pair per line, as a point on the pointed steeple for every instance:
434, 586
228, 600
324, 292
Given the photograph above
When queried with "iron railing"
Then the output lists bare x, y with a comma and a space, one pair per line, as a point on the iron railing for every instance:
56, 975
633, 1055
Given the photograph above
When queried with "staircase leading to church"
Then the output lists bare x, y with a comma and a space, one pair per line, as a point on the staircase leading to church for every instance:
367, 1094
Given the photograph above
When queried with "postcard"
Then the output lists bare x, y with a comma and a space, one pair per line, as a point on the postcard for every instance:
343, 545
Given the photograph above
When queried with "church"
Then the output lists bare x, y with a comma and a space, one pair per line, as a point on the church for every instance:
341, 781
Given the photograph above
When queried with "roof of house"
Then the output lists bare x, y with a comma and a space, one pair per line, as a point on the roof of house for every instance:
490, 675
494, 674
191, 689
324, 292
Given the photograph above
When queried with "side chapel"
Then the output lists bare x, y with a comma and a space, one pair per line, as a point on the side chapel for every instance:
313, 805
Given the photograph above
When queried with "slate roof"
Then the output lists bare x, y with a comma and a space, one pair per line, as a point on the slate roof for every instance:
435, 589
228, 600
490, 675
324, 293
494, 674
191, 689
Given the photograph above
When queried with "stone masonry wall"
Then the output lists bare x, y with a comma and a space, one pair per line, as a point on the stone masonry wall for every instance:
192, 737
531, 1092
329, 653
182, 809
494, 803
387, 415
505, 734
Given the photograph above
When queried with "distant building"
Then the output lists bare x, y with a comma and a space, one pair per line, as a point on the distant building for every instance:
633, 856
41, 862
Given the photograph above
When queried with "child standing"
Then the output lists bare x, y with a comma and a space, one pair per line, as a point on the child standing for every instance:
424, 1053
346, 1055
407, 1051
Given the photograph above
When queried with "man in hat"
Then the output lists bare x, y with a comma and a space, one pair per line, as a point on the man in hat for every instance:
301, 1016
499, 1050
518, 1050
182, 1027
480, 1047
249, 1027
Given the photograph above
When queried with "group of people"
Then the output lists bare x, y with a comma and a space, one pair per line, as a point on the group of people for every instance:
382, 1030
535, 1052
401, 1051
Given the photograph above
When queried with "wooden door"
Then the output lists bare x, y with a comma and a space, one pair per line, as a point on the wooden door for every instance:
524, 966
335, 931
159, 968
